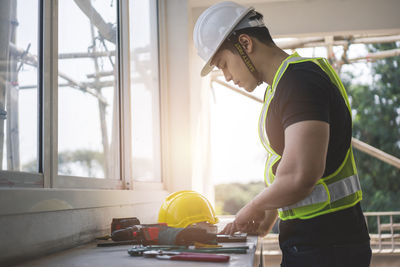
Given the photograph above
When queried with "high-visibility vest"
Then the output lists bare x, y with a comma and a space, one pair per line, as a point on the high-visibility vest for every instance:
337, 191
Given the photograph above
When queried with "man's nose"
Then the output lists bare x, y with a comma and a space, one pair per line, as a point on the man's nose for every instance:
228, 76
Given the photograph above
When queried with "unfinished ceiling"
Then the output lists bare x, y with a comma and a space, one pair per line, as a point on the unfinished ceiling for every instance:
289, 18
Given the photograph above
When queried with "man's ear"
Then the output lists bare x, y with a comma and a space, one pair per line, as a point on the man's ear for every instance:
246, 42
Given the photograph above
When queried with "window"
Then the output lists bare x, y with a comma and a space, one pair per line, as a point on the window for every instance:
145, 90
88, 129
62, 113
19, 86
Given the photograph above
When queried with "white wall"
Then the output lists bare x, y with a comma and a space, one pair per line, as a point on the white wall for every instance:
185, 115
42, 221
176, 96
188, 110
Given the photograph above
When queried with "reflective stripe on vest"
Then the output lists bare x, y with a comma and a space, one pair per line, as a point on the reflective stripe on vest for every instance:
337, 190
268, 98
270, 162
323, 193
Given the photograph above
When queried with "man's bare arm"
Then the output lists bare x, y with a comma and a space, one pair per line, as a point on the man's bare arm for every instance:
301, 166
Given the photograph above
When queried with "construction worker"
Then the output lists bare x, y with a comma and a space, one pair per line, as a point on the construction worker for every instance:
305, 126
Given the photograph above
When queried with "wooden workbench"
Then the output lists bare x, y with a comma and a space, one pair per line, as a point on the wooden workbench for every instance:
91, 255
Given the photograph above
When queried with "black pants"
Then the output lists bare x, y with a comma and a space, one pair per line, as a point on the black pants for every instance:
354, 255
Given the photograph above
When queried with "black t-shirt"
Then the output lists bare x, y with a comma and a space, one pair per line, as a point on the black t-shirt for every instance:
305, 92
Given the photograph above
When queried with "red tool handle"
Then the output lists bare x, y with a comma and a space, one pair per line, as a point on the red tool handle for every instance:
201, 257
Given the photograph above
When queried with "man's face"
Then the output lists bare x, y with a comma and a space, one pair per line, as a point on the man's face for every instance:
234, 69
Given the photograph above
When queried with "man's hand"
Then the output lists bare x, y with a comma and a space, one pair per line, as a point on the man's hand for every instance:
250, 228
229, 229
257, 228
247, 220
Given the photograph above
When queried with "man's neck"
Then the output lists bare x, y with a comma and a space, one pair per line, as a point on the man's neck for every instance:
268, 61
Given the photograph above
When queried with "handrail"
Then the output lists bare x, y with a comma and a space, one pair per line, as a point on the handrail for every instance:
381, 213
379, 243
375, 152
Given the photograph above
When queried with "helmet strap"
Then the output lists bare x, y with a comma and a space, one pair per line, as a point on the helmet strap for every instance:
246, 59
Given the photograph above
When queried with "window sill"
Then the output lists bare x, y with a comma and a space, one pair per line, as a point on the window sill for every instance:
15, 201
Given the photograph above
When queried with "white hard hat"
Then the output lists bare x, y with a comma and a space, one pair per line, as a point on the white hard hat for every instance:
215, 24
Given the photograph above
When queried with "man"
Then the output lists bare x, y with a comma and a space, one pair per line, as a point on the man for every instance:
305, 125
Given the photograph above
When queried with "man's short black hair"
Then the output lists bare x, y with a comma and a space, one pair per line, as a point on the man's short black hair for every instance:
260, 33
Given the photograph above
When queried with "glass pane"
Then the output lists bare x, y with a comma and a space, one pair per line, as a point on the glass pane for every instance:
18, 85
88, 132
145, 90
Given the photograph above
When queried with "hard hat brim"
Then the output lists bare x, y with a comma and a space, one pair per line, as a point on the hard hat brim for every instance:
208, 67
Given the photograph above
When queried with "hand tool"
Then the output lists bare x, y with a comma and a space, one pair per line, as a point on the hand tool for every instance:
186, 256
139, 250
233, 250
194, 257
146, 234
202, 245
121, 223
185, 236
154, 253
119, 243
231, 238
150, 234
127, 234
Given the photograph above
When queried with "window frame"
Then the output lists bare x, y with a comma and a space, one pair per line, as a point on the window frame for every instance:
66, 181
155, 33
10, 178
20, 179
47, 176
43, 192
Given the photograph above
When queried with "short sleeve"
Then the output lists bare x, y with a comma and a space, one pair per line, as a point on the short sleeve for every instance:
303, 95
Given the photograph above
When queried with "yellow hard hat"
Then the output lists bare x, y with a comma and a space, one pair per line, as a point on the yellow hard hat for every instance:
183, 208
